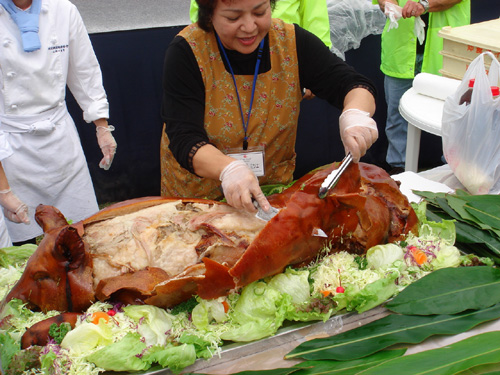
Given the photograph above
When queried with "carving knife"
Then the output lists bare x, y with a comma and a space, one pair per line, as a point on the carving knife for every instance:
263, 215
331, 180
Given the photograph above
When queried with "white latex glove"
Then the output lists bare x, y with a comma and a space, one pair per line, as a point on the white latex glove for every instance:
358, 132
107, 144
393, 12
418, 30
240, 184
14, 209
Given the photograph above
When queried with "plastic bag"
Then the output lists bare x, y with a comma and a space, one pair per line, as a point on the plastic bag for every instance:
471, 132
351, 21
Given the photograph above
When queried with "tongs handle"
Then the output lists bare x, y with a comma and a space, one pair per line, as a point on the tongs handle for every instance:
334, 176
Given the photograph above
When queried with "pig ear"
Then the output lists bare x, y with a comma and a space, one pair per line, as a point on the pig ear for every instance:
69, 247
49, 217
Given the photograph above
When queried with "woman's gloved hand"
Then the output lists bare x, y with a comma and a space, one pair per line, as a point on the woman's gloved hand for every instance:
107, 144
358, 132
240, 184
14, 209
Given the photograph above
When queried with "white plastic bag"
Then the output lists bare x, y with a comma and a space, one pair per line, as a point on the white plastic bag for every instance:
471, 132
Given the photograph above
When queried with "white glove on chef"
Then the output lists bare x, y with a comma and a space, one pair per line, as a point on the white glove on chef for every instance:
14, 209
240, 184
107, 144
358, 132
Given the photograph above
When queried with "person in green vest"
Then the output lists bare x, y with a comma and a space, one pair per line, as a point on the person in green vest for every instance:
403, 57
311, 15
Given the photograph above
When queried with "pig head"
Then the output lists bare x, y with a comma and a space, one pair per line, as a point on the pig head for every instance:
58, 276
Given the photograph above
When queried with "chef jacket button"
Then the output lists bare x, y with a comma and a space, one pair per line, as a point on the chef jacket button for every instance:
11, 74
13, 106
53, 40
44, 9
6, 42
60, 104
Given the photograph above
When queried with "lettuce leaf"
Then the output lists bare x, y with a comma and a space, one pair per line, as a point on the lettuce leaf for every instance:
15, 255
206, 312
124, 355
87, 337
175, 357
382, 256
259, 313
445, 229
9, 348
153, 322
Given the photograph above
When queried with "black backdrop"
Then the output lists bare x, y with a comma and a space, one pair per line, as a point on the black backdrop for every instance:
131, 63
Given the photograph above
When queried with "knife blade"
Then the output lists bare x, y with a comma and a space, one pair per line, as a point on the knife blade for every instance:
263, 215
331, 180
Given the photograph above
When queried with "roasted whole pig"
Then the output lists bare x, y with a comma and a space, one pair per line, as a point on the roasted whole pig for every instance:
161, 251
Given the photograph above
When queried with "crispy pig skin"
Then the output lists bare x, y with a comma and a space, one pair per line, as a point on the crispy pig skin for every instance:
364, 209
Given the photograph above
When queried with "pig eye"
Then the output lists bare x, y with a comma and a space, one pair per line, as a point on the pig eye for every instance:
41, 275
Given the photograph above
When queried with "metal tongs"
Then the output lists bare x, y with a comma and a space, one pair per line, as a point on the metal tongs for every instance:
334, 176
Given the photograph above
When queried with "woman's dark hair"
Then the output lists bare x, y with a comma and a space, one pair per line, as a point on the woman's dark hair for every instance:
206, 10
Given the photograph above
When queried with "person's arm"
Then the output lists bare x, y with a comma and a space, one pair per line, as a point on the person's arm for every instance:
360, 98
85, 83
183, 103
415, 9
14, 209
330, 78
84, 73
357, 128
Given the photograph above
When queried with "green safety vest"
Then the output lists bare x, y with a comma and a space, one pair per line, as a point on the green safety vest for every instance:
399, 45
311, 15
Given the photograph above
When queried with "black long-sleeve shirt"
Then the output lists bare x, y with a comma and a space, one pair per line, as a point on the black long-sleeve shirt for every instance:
183, 107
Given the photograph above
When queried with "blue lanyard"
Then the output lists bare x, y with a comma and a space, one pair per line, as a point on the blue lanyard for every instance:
256, 73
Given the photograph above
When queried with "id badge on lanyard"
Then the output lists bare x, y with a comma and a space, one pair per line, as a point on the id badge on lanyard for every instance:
253, 157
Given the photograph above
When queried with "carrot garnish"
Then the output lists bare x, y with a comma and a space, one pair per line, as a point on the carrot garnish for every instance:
98, 315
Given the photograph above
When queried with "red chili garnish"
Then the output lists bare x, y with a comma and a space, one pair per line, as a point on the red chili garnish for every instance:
111, 312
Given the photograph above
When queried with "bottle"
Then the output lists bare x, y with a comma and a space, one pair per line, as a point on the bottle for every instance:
468, 94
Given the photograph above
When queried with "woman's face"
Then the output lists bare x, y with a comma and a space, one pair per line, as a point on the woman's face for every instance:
242, 24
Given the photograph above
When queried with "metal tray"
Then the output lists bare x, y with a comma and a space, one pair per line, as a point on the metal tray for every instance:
268, 353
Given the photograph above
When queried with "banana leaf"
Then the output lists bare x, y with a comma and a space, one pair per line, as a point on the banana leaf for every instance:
347, 367
485, 213
453, 290
482, 211
487, 245
392, 329
458, 204
278, 371
460, 356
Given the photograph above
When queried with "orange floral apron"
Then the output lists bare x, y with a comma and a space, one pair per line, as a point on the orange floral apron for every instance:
273, 123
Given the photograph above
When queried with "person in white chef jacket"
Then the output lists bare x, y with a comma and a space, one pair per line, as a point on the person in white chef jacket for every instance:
44, 46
